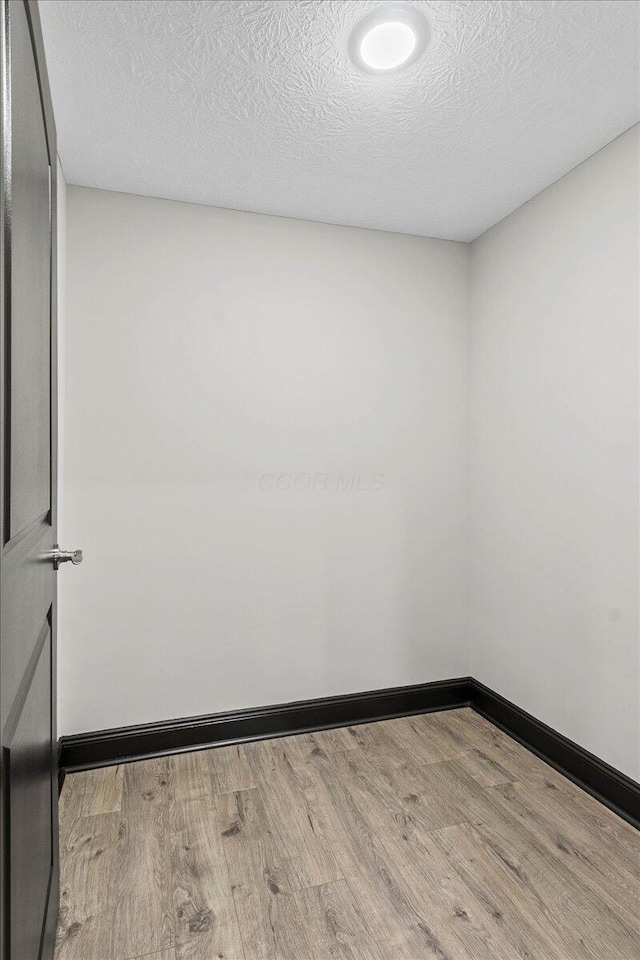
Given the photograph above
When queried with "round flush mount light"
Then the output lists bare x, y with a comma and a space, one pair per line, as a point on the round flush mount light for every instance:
388, 39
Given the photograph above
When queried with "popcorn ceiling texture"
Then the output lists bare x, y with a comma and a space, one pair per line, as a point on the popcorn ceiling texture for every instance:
255, 105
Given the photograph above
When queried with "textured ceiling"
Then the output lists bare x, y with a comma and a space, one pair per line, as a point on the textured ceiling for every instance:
255, 105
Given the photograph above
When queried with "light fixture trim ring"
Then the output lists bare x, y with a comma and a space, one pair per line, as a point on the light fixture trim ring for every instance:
389, 13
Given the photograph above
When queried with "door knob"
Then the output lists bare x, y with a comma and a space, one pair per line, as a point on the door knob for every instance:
63, 556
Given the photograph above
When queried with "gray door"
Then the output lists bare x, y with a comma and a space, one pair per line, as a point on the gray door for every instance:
27, 493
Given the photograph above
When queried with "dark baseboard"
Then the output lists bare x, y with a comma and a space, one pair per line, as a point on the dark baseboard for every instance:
86, 751
62, 772
617, 791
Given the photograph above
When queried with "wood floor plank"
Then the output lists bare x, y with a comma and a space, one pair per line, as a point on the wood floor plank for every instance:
261, 877
384, 900
422, 739
71, 801
88, 849
378, 739
142, 920
230, 769
306, 746
82, 939
204, 773
524, 767
191, 776
204, 916
552, 897
432, 836
403, 790
289, 815
511, 756
334, 924
254, 852
336, 740
102, 790
450, 780
486, 883
408, 737
616, 838
485, 770
461, 923
566, 839
164, 955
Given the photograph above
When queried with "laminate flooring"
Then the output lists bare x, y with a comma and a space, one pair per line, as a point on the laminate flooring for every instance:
433, 836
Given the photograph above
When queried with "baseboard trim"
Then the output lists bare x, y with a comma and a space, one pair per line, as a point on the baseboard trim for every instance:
608, 785
86, 751
62, 772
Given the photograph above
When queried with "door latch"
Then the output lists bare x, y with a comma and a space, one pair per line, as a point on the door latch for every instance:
63, 556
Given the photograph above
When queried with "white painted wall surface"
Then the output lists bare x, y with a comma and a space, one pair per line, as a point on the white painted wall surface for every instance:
212, 355
61, 276
554, 399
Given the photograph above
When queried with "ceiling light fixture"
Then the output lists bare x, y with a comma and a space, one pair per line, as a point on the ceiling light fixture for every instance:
390, 38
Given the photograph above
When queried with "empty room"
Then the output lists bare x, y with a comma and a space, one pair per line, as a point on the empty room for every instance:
320, 480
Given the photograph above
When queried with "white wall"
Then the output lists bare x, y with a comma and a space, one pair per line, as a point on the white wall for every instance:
61, 277
554, 622
210, 353
212, 356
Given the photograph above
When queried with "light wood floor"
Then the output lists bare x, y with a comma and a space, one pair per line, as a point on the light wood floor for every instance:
427, 837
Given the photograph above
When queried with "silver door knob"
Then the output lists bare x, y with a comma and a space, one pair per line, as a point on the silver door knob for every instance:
63, 556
